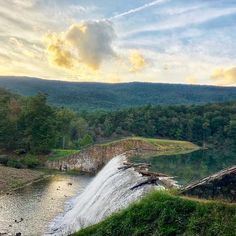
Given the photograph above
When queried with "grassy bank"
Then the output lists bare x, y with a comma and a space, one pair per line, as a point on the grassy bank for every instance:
11, 178
58, 154
164, 146
163, 214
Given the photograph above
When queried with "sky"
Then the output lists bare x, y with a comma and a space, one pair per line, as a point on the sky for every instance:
165, 41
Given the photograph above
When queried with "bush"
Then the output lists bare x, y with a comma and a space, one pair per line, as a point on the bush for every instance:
30, 161
15, 164
4, 159
86, 141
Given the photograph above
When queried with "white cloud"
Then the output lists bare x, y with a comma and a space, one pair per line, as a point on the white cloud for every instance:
92, 40
88, 43
138, 9
183, 20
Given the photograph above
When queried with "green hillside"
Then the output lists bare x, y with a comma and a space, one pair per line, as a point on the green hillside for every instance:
97, 96
163, 214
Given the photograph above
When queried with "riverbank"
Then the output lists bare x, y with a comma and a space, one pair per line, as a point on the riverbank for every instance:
162, 213
12, 178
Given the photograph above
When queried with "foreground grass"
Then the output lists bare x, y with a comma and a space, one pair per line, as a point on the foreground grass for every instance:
163, 214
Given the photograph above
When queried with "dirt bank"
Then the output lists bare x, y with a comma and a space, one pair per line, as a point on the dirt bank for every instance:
11, 178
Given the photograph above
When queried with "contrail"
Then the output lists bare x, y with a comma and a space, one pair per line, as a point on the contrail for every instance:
147, 5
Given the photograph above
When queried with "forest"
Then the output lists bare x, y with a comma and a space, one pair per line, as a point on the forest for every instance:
30, 124
210, 124
89, 96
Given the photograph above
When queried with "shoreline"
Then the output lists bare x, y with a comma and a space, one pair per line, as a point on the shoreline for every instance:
26, 177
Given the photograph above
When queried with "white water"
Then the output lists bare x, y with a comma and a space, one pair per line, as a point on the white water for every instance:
107, 193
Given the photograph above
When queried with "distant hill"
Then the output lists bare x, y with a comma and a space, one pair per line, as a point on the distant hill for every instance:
94, 96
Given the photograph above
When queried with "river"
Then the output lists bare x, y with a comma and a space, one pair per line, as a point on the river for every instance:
39, 203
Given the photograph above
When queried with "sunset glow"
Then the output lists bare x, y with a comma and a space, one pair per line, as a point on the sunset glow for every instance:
89, 40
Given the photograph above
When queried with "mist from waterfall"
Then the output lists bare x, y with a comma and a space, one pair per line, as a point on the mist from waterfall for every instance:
107, 193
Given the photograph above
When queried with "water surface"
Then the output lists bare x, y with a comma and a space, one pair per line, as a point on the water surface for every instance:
191, 166
38, 204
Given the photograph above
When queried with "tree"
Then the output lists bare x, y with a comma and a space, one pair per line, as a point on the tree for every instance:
64, 118
37, 125
86, 141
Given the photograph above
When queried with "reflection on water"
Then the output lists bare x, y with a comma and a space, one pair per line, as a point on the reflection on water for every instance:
191, 166
38, 204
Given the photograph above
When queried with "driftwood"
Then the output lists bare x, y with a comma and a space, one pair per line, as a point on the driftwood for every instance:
128, 165
154, 178
149, 181
152, 174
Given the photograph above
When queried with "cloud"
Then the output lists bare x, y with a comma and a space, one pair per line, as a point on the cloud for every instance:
25, 3
57, 54
224, 76
92, 40
178, 21
138, 9
137, 60
88, 43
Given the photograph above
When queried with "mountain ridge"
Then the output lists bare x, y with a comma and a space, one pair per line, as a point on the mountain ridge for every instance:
105, 96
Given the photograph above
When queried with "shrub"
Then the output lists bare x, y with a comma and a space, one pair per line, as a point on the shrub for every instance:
15, 163
4, 159
30, 161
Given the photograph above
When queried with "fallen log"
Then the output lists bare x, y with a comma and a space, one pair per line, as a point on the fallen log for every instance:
149, 181
134, 165
152, 174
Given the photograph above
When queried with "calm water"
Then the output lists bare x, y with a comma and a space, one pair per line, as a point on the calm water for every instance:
191, 166
38, 204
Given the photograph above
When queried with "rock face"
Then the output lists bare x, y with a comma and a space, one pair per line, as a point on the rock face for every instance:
91, 160
221, 185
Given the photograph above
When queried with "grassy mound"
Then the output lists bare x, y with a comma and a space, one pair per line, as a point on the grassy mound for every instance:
164, 146
164, 214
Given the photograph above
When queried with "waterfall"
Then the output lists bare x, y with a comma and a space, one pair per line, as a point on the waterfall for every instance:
107, 193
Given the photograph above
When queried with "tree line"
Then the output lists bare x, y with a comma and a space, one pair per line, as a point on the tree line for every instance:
29, 123
210, 124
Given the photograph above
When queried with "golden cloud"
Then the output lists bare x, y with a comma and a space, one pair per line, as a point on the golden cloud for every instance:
224, 76
88, 43
137, 60
57, 54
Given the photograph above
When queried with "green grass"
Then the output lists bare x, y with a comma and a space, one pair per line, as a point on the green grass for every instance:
163, 214
165, 146
58, 154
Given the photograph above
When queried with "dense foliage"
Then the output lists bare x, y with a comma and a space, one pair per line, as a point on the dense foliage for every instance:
166, 215
202, 124
101, 96
30, 124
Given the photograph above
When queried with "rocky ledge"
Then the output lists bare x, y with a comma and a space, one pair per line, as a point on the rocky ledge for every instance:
91, 160
221, 185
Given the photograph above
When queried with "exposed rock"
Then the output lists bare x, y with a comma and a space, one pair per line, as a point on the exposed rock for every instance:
91, 160
221, 185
